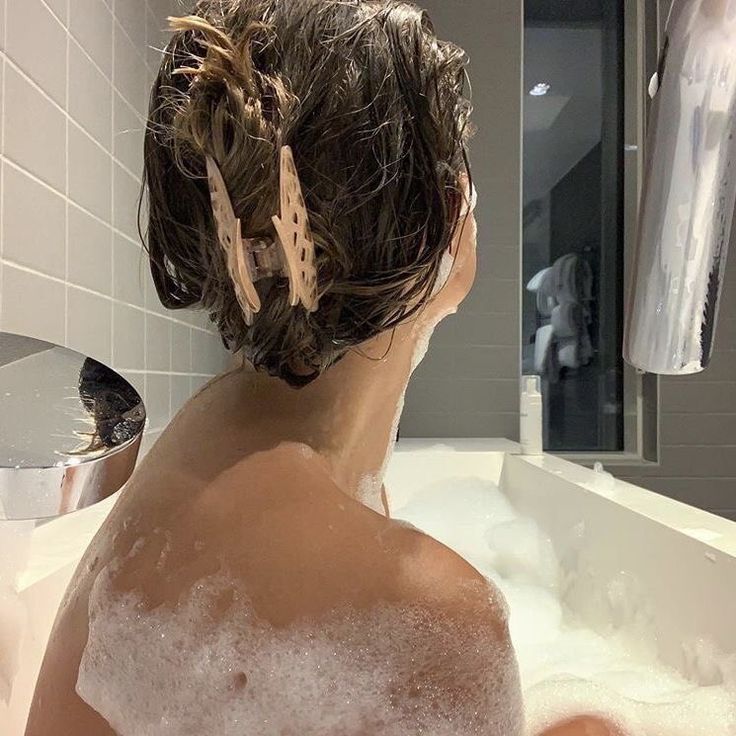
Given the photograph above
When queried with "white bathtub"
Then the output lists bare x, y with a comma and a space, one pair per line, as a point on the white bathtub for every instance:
683, 557
681, 560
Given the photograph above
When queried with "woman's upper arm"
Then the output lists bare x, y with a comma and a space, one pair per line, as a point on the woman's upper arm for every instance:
473, 678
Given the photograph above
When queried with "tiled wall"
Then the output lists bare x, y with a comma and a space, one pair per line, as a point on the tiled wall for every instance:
75, 77
468, 385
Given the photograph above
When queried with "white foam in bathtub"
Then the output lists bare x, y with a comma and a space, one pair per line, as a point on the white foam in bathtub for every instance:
565, 669
164, 672
138, 661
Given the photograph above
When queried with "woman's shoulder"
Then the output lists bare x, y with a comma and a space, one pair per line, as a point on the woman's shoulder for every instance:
297, 559
280, 522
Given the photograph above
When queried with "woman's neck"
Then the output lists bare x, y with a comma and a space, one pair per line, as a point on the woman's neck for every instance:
348, 416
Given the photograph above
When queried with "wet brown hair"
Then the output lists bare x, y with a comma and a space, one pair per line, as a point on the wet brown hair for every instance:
373, 106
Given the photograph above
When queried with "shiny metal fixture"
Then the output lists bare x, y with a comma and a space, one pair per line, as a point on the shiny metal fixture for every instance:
689, 193
70, 429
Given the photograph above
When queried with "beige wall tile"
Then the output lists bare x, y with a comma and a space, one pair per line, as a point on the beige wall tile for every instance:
157, 36
132, 18
90, 23
127, 190
89, 324
2, 26
129, 337
130, 70
128, 137
34, 224
692, 461
90, 252
71, 306
32, 27
471, 396
32, 305
485, 362
35, 131
181, 348
59, 8
90, 96
480, 345
697, 396
158, 399
129, 262
208, 354
158, 343
180, 391
90, 174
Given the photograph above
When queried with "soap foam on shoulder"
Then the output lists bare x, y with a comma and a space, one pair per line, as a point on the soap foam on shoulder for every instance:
199, 669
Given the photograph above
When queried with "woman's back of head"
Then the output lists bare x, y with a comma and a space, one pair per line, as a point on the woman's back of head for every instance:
372, 105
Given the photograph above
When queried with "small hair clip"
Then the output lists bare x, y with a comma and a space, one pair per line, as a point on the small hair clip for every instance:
289, 254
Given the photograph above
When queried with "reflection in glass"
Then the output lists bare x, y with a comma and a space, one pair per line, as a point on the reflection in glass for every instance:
572, 228
70, 429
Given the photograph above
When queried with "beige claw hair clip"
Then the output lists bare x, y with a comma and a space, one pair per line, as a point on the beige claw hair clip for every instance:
289, 254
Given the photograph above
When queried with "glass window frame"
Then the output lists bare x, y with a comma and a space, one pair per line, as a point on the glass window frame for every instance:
643, 27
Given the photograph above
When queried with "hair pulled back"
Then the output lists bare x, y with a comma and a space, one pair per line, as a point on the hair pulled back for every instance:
371, 103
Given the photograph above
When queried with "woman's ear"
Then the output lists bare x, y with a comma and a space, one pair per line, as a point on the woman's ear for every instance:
468, 199
459, 260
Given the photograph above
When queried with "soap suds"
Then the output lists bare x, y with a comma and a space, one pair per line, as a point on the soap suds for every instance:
186, 671
202, 668
369, 492
567, 669
370, 485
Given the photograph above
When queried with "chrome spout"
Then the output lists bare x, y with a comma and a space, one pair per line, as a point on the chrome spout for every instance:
70, 429
689, 193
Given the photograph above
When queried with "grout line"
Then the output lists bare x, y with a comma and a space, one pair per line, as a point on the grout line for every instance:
140, 371
115, 21
712, 445
641, 479
72, 202
99, 145
27, 269
171, 364
699, 413
54, 15
132, 109
19, 70
3, 72
123, 30
66, 189
420, 379
113, 357
191, 354
90, 58
693, 381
